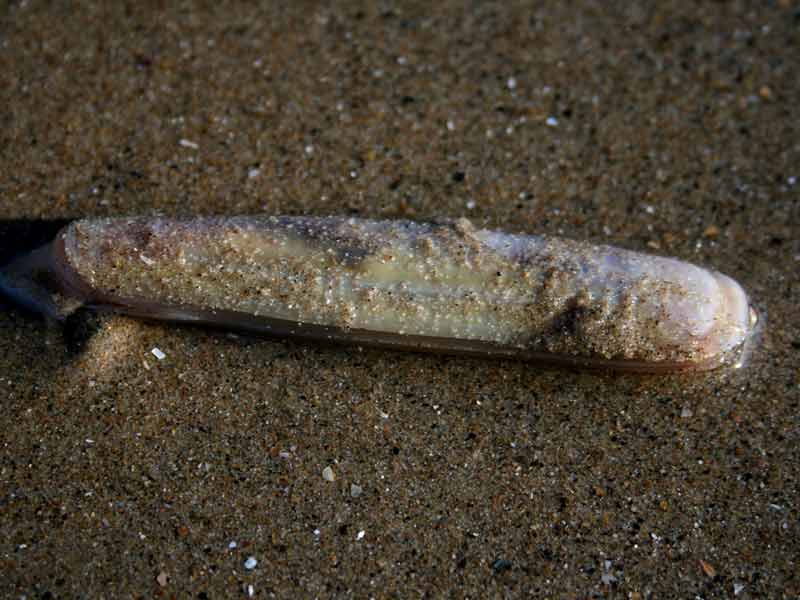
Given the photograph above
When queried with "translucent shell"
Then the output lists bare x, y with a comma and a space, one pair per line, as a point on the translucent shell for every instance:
438, 287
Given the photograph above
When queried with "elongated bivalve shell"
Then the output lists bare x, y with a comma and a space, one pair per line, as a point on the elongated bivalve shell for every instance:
443, 287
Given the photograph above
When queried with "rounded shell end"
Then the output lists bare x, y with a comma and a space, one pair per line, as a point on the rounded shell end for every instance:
734, 324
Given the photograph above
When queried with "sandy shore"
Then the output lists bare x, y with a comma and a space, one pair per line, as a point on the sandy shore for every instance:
344, 472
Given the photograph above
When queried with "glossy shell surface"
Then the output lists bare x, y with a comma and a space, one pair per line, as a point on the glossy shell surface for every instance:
406, 280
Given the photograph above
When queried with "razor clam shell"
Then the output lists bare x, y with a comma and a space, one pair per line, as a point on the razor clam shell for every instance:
444, 287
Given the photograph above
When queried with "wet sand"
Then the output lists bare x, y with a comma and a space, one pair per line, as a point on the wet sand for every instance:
355, 472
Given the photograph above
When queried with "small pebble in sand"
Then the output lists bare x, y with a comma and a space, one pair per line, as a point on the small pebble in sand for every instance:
500, 565
708, 568
607, 576
552, 121
158, 353
250, 563
162, 579
188, 144
355, 490
328, 474
361, 534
